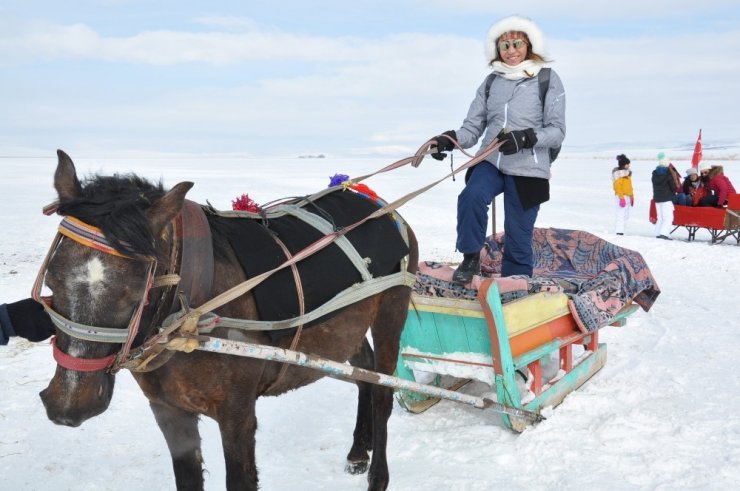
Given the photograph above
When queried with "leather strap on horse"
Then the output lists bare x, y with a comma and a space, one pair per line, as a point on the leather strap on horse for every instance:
301, 308
196, 263
194, 282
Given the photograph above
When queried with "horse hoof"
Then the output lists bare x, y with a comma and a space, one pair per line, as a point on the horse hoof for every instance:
357, 467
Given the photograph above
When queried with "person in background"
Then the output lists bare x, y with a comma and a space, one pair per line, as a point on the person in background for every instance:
624, 197
664, 187
513, 112
692, 189
674, 174
719, 185
25, 318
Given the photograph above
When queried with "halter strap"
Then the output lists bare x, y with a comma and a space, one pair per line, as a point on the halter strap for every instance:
80, 364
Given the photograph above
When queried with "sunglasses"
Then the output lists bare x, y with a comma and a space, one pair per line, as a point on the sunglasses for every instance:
517, 43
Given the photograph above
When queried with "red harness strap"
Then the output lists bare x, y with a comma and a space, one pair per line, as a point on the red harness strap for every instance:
80, 364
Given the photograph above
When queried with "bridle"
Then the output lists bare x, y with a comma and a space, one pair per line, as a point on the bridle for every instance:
94, 238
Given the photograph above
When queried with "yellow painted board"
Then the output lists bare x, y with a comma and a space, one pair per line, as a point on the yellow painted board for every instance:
534, 310
520, 315
449, 306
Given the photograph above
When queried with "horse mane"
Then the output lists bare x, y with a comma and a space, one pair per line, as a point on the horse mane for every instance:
117, 204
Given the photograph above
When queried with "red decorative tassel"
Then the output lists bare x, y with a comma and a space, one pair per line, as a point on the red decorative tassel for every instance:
362, 188
245, 203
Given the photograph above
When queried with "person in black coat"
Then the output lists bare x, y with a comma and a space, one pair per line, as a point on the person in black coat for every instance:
664, 187
25, 318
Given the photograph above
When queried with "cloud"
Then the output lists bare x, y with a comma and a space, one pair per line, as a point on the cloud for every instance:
166, 47
341, 94
595, 9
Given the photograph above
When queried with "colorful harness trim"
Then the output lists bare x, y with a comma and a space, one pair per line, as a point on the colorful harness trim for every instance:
87, 235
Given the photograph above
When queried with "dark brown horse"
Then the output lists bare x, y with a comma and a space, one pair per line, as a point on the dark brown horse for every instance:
95, 288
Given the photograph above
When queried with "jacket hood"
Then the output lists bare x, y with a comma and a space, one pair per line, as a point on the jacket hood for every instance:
617, 173
715, 171
514, 23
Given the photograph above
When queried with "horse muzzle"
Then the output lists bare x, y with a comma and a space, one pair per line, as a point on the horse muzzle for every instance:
71, 404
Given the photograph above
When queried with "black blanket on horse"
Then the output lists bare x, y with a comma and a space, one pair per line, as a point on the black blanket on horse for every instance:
324, 273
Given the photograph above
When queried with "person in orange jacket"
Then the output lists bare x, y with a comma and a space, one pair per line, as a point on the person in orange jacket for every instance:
623, 193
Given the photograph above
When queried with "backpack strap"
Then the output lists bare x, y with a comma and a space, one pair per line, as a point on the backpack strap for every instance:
544, 79
489, 81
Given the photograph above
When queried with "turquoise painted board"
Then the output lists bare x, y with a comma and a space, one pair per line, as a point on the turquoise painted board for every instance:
479, 338
422, 335
452, 334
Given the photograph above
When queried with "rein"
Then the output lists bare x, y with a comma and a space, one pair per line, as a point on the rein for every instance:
190, 319
187, 323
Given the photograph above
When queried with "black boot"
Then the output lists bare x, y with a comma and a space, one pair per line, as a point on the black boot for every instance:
468, 267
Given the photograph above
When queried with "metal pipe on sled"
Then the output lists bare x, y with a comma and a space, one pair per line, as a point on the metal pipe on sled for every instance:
344, 371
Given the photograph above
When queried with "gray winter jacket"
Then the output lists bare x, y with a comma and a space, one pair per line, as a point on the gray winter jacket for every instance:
516, 105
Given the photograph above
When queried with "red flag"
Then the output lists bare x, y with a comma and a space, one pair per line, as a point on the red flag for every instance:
697, 153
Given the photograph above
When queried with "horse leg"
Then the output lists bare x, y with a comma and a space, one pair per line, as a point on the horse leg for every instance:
358, 457
386, 331
180, 429
238, 424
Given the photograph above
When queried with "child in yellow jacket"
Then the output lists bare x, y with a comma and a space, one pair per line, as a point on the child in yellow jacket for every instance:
624, 197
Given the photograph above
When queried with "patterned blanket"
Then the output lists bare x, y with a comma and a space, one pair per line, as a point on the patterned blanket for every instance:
599, 277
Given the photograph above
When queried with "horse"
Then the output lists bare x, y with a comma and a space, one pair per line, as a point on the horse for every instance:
91, 286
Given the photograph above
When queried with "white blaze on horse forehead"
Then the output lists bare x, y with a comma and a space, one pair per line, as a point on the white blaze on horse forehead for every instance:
87, 281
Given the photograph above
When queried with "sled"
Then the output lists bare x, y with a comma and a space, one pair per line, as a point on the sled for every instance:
494, 343
721, 223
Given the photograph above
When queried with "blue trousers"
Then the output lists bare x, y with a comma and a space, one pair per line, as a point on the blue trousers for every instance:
485, 183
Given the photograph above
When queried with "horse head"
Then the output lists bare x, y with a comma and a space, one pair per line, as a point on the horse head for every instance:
102, 287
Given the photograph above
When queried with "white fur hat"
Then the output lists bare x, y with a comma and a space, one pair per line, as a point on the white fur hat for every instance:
704, 166
514, 23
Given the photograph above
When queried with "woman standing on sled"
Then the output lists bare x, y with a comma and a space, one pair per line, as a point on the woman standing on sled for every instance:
520, 106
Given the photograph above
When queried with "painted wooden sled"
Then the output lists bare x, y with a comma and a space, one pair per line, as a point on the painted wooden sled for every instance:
466, 339
721, 223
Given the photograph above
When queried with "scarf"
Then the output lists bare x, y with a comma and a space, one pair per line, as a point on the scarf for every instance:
525, 69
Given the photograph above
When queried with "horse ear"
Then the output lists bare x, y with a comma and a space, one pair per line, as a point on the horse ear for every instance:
167, 207
65, 178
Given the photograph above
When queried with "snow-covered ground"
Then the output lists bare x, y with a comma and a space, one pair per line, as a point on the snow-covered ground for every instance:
662, 414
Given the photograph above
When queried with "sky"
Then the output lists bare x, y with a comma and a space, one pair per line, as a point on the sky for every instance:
109, 78
660, 415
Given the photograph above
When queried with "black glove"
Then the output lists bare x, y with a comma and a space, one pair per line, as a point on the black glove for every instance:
29, 320
444, 144
516, 140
